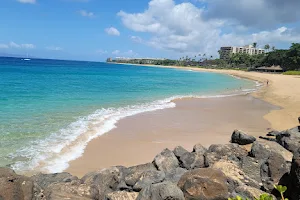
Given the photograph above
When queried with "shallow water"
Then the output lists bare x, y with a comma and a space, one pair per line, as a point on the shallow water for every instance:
50, 109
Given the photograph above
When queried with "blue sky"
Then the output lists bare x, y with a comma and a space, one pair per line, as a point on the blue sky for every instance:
97, 29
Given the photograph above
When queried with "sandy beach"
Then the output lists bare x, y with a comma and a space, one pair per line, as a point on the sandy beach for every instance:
139, 138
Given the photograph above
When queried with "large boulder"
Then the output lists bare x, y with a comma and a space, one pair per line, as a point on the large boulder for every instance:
122, 195
175, 174
71, 190
241, 138
179, 151
15, 187
161, 191
44, 180
273, 170
107, 180
290, 139
204, 184
166, 160
294, 187
148, 178
199, 149
236, 177
262, 150
134, 173
231, 152
248, 192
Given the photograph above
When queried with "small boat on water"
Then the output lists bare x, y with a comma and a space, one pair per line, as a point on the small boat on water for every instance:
26, 59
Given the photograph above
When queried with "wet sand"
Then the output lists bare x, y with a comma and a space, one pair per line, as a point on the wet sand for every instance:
139, 138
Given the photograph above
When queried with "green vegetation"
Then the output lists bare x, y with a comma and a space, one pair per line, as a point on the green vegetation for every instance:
281, 189
292, 73
288, 59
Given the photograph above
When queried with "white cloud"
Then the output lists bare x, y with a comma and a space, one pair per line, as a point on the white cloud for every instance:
85, 13
4, 46
116, 52
185, 28
27, 1
54, 48
14, 45
28, 46
136, 39
100, 51
112, 31
23, 46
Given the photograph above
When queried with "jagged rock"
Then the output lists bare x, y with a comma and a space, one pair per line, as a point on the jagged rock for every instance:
166, 160
235, 175
198, 148
186, 160
71, 190
268, 139
272, 170
134, 173
15, 187
224, 151
294, 187
262, 150
44, 180
251, 167
179, 151
248, 192
122, 195
204, 184
175, 174
290, 139
106, 180
241, 138
273, 133
161, 191
148, 178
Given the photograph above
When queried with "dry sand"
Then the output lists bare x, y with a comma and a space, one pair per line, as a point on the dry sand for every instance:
139, 138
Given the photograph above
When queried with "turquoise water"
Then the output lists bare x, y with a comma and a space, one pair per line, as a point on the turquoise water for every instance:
50, 109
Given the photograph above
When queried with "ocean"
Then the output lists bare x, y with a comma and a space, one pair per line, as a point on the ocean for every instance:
51, 109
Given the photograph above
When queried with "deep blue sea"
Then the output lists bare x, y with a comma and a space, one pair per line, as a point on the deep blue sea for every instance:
50, 109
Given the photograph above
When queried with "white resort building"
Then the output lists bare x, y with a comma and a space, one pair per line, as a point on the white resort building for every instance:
249, 49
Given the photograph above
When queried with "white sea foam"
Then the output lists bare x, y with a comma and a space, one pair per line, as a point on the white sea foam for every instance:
53, 154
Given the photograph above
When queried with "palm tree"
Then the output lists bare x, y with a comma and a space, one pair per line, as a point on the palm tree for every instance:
254, 44
267, 47
273, 48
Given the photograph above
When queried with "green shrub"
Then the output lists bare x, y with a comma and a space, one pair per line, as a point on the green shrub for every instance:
292, 73
281, 189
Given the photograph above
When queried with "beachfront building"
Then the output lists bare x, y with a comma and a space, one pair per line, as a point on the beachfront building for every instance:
225, 52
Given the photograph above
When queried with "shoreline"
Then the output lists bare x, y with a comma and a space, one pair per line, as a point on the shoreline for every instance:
192, 120
278, 119
290, 105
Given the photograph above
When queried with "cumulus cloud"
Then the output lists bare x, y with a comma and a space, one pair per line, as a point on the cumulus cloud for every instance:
116, 52
54, 48
4, 46
112, 31
24, 46
186, 28
259, 13
27, 1
85, 13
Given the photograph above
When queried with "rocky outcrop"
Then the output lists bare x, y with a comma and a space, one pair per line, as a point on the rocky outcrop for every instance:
205, 184
241, 138
216, 173
289, 139
122, 195
15, 187
166, 161
161, 191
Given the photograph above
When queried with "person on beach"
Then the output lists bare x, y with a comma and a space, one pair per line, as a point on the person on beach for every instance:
267, 82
